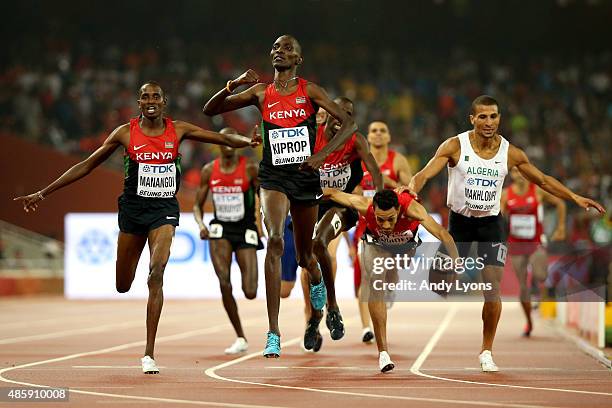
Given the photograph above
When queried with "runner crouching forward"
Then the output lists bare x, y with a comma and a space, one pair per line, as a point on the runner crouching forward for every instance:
392, 220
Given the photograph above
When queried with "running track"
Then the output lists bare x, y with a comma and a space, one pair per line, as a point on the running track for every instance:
94, 348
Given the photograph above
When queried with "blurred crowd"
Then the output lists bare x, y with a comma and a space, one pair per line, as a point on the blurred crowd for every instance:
72, 94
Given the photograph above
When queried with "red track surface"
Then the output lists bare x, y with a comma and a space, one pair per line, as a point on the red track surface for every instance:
94, 348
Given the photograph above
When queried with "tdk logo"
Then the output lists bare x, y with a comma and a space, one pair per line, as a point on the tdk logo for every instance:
286, 133
482, 182
159, 169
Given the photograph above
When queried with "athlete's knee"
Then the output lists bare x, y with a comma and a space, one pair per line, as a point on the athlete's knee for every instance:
156, 275
123, 287
276, 245
307, 261
319, 246
249, 292
225, 284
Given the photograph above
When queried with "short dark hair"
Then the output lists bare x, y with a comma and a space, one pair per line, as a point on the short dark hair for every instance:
385, 200
154, 83
484, 100
344, 99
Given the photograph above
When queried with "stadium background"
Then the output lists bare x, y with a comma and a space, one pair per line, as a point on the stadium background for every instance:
70, 73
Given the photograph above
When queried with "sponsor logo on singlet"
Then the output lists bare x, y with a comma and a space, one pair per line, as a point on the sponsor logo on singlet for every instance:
229, 203
335, 176
156, 180
289, 145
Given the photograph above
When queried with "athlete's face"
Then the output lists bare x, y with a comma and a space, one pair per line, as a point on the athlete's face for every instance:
285, 53
334, 124
386, 219
227, 152
321, 116
151, 101
378, 134
485, 120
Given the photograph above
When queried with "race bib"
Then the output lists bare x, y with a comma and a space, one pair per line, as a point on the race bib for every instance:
289, 145
336, 178
156, 180
215, 231
229, 206
523, 226
250, 237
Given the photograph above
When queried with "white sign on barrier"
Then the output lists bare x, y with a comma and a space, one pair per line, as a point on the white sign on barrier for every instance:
91, 251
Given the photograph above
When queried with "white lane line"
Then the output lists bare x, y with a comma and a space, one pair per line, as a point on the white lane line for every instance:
179, 336
211, 372
416, 367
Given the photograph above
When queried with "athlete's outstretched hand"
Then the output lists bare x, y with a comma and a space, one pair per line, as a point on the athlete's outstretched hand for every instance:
312, 163
30, 202
587, 203
256, 139
203, 233
400, 189
250, 77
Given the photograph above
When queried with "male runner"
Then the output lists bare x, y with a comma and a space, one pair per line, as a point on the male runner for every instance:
288, 170
396, 171
522, 202
234, 229
478, 161
392, 220
342, 171
148, 208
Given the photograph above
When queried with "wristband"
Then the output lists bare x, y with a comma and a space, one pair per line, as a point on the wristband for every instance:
227, 86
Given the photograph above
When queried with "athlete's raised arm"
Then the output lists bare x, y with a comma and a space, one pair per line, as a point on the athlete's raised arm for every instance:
200, 199
119, 136
559, 232
418, 212
189, 131
224, 100
357, 202
347, 127
518, 158
447, 153
363, 148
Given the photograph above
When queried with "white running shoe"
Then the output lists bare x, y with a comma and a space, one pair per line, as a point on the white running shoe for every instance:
148, 365
239, 346
384, 362
367, 336
486, 362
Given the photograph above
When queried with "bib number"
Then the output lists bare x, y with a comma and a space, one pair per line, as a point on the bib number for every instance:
229, 207
215, 231
523, 226
289, 145
156, 180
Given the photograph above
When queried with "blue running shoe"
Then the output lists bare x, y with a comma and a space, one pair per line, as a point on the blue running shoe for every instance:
318, 295
273, 348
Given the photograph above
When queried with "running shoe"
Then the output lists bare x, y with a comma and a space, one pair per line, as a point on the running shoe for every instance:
318, 295
148, 365
312, 333
318, 343
273, 348
527, 330
368, 335
384, 362
335, 324
486, 362
239, 346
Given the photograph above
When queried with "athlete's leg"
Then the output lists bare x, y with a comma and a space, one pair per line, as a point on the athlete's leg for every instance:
129, 249
364, 313
160, 240
247, 261
519, 264
286, 288
491, 310
539, 265
308, 309
275, 206
304, 218
221, 256
329, 228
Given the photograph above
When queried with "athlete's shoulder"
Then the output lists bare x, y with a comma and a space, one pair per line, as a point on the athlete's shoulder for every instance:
121, 134
450, 146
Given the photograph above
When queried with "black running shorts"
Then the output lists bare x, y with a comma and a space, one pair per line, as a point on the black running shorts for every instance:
139, 216
303, 186
239, 235
488, 232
